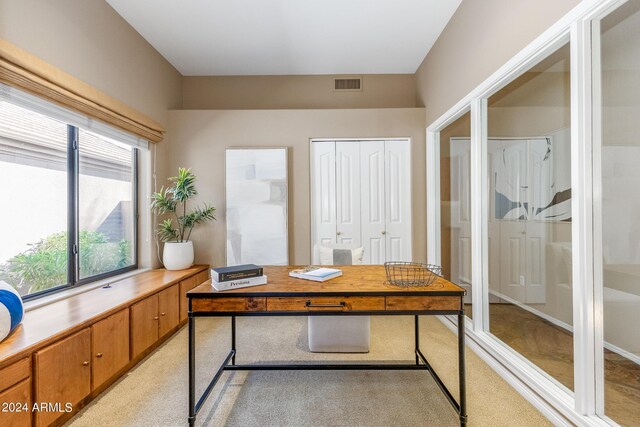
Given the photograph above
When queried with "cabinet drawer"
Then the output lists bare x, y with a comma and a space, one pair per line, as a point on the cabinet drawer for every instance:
15, 373
229, 304
20, 397
423, 303
325, 303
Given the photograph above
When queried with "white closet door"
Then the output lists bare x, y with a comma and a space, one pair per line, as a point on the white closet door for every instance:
511, 186
323, 192
348, 193
398, 200
372, 174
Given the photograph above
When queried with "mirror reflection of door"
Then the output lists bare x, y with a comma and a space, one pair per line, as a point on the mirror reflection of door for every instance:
460, 212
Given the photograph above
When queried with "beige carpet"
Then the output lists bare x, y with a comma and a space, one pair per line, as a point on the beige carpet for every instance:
155, 392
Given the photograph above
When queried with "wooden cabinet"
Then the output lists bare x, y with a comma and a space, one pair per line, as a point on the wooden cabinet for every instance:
153, 318
109, 347
62, 375
59, 369
185, 286
169, 308
144, 325
14, 373
15, 394
202, 277
18, 399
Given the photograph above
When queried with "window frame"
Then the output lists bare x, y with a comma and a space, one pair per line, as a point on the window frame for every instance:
73, 250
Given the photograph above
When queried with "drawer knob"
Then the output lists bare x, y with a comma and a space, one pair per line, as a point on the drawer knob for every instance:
163, 314
85, 363
99, 355
156, 318
341, 304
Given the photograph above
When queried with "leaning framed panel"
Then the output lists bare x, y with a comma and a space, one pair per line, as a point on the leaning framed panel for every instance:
361, 290
256, 181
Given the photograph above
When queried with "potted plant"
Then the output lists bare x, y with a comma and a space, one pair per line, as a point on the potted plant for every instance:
178, 249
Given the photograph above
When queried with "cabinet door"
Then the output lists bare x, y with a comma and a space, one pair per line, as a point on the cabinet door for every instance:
144, 325
20, 396
63, 374
185, 286
202, 277
168, 305
110, 346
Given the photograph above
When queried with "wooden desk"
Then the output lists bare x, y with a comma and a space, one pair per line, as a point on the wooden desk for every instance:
361, 290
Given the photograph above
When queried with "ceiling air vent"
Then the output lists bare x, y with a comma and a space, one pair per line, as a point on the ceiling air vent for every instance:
347, 84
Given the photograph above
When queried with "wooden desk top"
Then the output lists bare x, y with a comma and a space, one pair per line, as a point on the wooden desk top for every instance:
356, 280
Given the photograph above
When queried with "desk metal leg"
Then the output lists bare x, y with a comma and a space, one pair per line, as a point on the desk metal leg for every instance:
461, 369
233, 339
417, 339
192, 370
421, 363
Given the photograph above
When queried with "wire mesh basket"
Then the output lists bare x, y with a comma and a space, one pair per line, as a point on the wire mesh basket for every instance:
401, 273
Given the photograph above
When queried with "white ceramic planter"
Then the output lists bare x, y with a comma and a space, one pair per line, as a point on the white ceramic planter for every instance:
177, 255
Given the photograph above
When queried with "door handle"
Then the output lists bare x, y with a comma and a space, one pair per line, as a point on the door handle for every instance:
383, 232
308, 303
338, 233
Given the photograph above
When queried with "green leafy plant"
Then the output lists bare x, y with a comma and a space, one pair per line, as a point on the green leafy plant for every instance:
173, 201
44, 264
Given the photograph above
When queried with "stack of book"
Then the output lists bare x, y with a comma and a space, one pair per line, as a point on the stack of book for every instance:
237, 276
317, 274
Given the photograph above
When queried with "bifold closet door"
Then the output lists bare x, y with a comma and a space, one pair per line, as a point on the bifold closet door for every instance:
348, 193
373, 201
398, 200
361, 196
323, 193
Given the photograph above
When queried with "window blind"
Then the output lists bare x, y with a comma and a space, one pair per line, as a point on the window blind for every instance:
19, 69
49, 109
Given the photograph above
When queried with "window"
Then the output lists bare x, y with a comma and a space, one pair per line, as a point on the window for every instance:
69, 211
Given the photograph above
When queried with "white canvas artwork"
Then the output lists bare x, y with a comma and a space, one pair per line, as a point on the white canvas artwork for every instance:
256, 196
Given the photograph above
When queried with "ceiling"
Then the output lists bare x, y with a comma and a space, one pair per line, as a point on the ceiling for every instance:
283, 37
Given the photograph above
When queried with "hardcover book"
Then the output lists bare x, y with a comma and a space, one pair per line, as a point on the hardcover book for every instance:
235, 272
317, 274
241, 283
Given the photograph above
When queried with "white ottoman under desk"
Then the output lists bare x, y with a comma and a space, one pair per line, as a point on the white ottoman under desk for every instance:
339, 334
